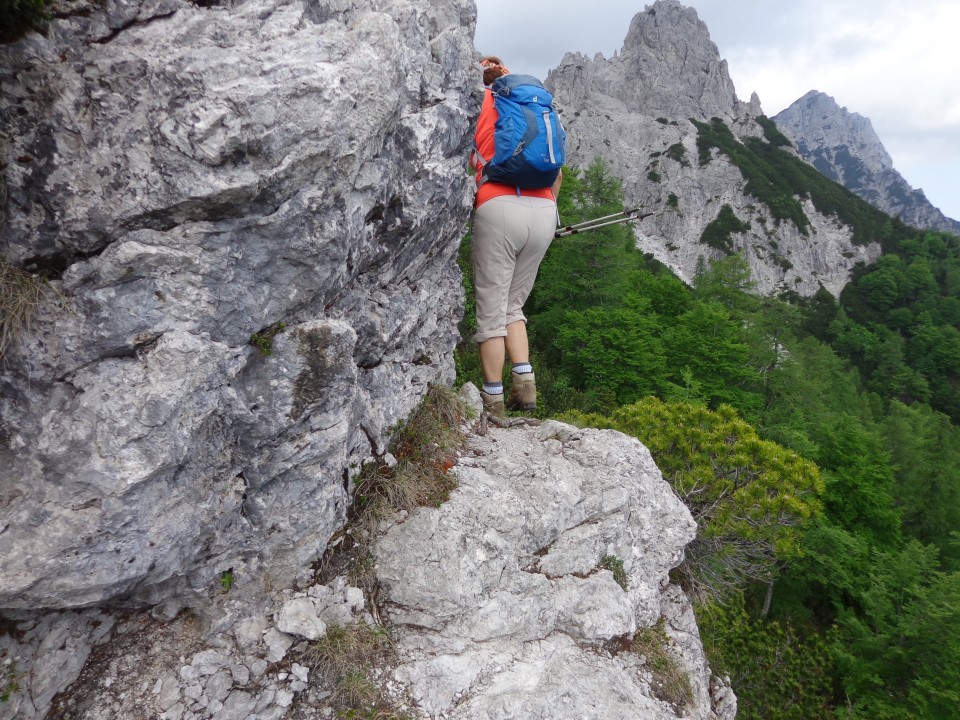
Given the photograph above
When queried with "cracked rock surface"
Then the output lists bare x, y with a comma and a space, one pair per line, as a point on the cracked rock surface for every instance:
497, 604
501, 607
192, 175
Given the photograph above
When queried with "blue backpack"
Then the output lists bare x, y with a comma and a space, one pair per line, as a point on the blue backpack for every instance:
529, 141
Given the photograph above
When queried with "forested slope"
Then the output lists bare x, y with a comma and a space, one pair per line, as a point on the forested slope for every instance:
810, 438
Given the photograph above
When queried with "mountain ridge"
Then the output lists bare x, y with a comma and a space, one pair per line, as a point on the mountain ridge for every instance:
844, 146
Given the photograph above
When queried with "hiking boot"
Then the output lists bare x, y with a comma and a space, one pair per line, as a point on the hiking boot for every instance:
523, 392
493, 404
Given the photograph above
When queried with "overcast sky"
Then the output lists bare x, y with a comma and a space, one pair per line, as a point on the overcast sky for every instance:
892, 61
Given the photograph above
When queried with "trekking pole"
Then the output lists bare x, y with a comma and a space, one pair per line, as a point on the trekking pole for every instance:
596, 220
628, 215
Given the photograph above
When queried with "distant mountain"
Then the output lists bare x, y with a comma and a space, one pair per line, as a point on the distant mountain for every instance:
844, 147
664, 116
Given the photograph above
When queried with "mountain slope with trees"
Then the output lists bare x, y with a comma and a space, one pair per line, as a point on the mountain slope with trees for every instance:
827, 567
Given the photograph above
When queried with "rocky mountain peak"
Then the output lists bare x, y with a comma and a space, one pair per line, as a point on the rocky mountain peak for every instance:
844, 146
668, 67
642, 112
817, 120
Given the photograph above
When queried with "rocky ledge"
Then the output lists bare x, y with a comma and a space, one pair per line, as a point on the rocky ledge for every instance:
521, 594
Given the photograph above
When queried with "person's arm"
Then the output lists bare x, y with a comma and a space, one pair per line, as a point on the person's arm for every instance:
555, 188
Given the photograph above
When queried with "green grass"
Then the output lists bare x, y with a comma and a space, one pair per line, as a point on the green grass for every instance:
672, 684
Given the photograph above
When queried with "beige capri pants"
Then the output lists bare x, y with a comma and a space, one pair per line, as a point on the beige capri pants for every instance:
511, 235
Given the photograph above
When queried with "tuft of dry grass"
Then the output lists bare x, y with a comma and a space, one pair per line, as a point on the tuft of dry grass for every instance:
425, 448
344, 657
671, 684
20, 294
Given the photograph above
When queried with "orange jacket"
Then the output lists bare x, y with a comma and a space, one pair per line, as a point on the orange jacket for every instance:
483, 142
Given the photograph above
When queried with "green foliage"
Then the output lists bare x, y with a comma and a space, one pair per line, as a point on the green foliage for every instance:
898, 648
859, 481
18, 16
615, 565
263, 340
771, 132
8, 680
899, 322
771, 663
610, 350
925, 452
227, 579
777, 179
748, 496
717, 233
721, 365
678, 153
726, 281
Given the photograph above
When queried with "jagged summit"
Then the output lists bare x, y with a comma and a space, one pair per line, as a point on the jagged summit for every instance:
844, 146
668, 67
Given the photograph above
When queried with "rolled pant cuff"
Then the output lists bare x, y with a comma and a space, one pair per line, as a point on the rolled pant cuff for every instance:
489, 335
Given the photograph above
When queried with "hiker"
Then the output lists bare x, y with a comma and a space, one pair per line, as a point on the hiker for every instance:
512, 230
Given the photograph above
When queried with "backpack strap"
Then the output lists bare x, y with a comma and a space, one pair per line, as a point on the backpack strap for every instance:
479, 163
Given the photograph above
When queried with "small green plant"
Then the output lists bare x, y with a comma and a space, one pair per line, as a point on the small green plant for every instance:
653, 176
672, 683
263, 340
678, 153
227, 579
615, 565
673, 201
8, 681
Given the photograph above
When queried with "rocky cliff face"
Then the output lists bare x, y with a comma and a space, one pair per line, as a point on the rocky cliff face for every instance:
192, 176
634, 110
844, 147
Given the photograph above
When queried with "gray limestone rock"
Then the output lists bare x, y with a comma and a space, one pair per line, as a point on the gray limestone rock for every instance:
844, 146
191, 176
634, 110
499, 597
